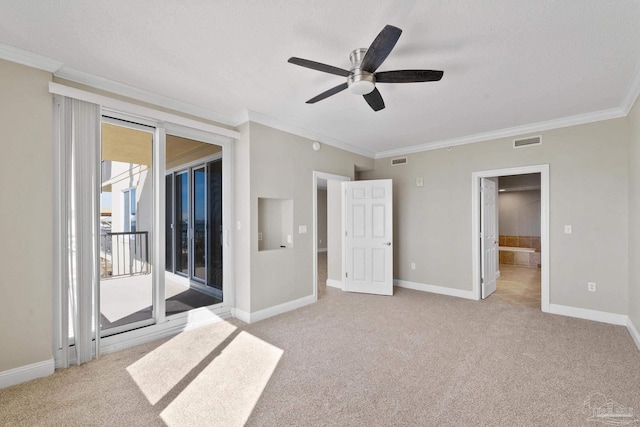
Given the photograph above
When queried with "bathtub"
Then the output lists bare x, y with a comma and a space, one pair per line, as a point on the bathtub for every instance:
514, 249
511, 255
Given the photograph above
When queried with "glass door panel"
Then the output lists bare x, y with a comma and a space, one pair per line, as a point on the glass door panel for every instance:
194, 276
199, 224
126, 219
181, 224
168, 229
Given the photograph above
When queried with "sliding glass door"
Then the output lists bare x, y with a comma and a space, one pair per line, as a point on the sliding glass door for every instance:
139, 225
193, 252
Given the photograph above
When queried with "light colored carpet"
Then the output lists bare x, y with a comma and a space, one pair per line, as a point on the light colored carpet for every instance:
414, 359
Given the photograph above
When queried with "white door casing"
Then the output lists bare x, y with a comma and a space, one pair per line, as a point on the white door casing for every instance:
369, 236
488, 235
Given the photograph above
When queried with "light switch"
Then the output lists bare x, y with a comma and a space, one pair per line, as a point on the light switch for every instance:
302, 229
419, 182
567, 229
259, 235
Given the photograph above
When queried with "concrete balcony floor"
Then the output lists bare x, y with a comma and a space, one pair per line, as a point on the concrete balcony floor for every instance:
128, 299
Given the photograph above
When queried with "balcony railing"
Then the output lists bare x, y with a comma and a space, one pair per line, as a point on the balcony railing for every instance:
124, 254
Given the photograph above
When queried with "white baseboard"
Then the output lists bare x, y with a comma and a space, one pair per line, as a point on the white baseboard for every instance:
322, 249
273, 311
633, 331
335, 283
584, 313
241, 315
435, 289
26, 373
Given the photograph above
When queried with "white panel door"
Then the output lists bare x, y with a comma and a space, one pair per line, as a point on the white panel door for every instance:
488, 235
369, 236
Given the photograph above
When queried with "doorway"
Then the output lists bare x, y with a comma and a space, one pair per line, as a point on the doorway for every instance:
479, 244
328, 264
519, 261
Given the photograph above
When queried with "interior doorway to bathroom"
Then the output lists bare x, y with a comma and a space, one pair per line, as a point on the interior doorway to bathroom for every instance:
519, 260
510, 212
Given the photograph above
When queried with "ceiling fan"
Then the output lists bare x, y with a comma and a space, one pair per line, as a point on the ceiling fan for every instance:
362, 77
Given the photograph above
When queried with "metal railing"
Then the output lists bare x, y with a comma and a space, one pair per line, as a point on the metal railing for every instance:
124, 254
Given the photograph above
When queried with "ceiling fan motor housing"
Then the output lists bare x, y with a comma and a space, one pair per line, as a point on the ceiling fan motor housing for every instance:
360, 82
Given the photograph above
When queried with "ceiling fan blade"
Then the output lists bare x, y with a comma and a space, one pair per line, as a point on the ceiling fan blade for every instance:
380, 48
318, 66
374, 99
327, 93
408, 76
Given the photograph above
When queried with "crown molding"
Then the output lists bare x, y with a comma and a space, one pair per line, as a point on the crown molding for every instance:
633, 92
30, 59
58, 69
597, 116
305, 133
122, 89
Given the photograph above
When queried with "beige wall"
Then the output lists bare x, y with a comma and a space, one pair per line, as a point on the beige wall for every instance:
242, 189
281, 166
634, 215
322, 218
26, 217
588, 189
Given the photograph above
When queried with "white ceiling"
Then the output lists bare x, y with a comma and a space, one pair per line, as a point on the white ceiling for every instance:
507, 63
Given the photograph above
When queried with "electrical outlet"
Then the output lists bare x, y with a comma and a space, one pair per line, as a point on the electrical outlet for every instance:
413, 265
259, 235
567, 229
591, 286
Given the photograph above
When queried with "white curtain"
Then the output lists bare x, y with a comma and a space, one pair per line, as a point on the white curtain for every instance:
77, 230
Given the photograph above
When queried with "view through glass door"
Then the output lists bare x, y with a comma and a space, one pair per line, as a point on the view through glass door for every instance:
126, 224
193, 225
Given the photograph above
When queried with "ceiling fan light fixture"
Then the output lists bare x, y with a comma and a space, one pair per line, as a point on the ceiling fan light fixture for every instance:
361, 83
361, 87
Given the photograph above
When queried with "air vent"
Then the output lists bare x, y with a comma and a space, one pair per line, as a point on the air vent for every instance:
527, 142
399, 161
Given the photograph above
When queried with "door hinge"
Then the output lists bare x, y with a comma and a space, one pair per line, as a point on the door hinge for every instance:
346, 274
345, 233
481, 280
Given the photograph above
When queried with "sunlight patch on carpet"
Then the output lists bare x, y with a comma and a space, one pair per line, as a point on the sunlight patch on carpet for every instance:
226, 391
158, 372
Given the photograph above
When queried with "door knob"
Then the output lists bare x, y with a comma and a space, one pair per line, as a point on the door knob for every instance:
387, 244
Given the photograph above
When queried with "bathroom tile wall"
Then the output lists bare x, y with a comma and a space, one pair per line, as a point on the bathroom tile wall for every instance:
527, 259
